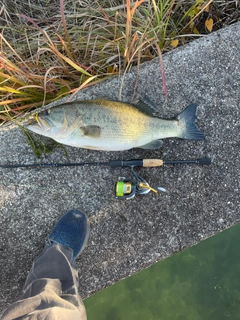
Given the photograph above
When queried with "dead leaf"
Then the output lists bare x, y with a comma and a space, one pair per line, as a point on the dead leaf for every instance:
174, 43
209, 24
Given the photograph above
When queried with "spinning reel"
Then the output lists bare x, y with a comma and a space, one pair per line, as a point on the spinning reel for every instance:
127, 189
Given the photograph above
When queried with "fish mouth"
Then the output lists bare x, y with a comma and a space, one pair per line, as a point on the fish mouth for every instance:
38, 125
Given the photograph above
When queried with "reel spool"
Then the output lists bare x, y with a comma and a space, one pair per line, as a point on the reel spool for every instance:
126, 189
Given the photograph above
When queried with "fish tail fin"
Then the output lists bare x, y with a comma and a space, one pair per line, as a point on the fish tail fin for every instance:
187, 121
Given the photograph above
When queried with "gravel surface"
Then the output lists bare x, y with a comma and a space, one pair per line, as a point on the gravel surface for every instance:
127, 236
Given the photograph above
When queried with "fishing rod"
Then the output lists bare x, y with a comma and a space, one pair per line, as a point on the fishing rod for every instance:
112, 163
127, 189
124, 188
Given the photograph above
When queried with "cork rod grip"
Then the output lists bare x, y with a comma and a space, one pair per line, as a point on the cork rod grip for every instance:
152, 163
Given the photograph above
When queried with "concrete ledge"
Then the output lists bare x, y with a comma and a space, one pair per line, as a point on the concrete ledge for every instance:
127, 236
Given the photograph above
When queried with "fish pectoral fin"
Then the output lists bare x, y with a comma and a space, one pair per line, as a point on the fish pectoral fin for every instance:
155, 144
90, 131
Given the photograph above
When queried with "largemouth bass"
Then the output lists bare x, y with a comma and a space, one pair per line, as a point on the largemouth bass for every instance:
113, 125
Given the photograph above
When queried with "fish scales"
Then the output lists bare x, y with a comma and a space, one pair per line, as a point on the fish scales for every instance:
112, 125
118, 121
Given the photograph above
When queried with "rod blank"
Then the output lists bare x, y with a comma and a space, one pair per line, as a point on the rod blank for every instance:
112, 163
201, 161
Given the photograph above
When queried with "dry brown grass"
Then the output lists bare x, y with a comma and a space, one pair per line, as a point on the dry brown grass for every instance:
52, 48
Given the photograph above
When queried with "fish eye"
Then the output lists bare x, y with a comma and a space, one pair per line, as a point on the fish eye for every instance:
46, 112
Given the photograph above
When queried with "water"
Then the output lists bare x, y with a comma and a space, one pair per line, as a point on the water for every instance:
202, 282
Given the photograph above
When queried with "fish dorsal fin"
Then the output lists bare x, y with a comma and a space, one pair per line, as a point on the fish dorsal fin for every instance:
146, 107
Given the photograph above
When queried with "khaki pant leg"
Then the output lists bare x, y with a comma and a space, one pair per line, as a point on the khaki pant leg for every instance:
51, 289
